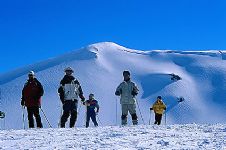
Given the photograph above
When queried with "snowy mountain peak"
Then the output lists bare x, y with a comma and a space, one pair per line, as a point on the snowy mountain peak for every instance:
198, 78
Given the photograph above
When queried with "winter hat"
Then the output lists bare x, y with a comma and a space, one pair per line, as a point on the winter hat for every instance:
68, 69
159, 97
126, 72
91, 94
31, 73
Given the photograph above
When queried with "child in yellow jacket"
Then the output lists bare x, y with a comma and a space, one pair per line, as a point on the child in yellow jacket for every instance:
159, 107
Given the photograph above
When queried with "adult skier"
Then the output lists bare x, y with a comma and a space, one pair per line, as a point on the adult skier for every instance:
158, 108
69, 91
127, 90
91, 104
31, 98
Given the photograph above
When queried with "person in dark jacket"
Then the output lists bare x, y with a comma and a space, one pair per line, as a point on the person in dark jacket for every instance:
31, 98
69, 91
91, 104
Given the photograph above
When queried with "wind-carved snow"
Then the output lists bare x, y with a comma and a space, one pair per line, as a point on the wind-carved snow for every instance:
99, 69
190, 136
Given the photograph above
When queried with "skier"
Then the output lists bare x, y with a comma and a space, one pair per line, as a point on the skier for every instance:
31, 98
91, 104
69, 92
127, 90
158, 108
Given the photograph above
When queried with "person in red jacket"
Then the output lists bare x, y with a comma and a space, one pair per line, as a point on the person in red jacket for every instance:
31, 98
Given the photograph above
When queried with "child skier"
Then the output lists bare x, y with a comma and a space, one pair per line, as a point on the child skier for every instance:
158, 108
91, 104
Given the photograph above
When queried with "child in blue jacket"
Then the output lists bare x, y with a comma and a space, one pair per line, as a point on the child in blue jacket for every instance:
91, 104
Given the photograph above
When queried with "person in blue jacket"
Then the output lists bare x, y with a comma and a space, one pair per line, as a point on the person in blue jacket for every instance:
91, 104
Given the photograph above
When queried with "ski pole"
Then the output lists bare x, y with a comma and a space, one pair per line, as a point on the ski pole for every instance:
99, 120
116, 112
165, 118
150, 118
46, 118
61, 112
140, 112
23, 117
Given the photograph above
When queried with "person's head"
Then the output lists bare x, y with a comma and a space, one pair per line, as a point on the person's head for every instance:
126, 75
159, 98
91, 96
31, 75
68, 71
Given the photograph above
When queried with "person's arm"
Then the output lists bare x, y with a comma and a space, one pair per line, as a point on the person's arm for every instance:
22, 98
61, 93
80, 91
41, 90
97, 106
164, 106
135, 90
118, 91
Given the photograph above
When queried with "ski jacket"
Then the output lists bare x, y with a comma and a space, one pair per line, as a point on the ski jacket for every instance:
32, 92
91, 105
127, 90
70, 89
159, 107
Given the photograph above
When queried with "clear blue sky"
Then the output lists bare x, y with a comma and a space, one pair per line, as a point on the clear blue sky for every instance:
34, 30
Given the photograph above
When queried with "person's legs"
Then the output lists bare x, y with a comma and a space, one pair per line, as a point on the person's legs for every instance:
64, 118
124, 114
158, 118
93, 117
37, 117
30, 113
132, 111
73, 118
87, 118
73, 109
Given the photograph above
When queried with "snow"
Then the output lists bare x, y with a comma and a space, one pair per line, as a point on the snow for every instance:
99, 69
190, 136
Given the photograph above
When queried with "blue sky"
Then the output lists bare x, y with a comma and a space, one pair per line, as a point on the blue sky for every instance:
34, 30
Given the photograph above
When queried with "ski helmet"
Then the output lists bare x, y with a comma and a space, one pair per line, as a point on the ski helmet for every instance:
31, 73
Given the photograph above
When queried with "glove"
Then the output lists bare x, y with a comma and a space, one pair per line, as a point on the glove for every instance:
22, 102
117, 93
82, 98
164, 108
151, 108
36, 98
134, 93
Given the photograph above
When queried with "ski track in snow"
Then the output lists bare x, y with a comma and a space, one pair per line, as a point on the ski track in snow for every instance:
190, 136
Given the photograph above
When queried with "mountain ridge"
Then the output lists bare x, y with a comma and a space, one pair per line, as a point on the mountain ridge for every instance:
99, 69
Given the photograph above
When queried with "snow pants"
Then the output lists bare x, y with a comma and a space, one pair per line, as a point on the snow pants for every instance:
34, 111
131, 108
91, 114
69, 108
158, 118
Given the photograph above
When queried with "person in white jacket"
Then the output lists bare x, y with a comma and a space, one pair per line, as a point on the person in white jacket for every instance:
70, 91
127, 90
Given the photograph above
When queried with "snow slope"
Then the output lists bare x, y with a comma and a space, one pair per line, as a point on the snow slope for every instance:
190, 136
99, 69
